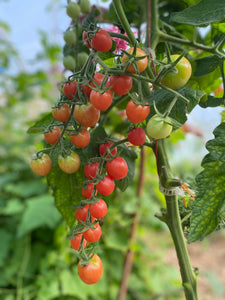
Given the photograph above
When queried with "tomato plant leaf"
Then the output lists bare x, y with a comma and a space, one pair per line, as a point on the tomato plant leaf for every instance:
208, 64
130, 156
39, 125
203, 13
210, 198
212, 102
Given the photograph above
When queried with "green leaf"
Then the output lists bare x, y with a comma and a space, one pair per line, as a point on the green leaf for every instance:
210, 198
212, 102
39, 125
130, 156
162, 100
207, 64
26, 189
203, 13
40, 212
5, 245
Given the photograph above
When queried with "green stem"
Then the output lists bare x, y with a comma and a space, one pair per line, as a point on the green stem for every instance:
155, 32
173, 221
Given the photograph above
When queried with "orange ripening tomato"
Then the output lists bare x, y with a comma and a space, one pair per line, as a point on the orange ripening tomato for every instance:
81, 139
42, 165
91, 273
140, 64
86, 114
137, 113
52, 135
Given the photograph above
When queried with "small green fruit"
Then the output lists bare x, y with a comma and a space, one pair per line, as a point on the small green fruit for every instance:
81, 59
70, 37
157, 128
85, 6
69, 63
73, 10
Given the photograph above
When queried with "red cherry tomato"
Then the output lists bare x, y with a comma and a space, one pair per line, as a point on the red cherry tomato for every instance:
117, 168
87, 192
70, 89
93, 235
90, 170
101, 41
101, 101
81, 213
86, 114
61, 113
98, 77
121, 84
86, 40
76, 242
98, 210
137, 113
81, 139
42, 165
92, 272
137, 136
103, 148
52, 135
106, 186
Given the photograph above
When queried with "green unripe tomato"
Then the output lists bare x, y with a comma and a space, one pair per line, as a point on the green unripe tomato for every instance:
73, 10
179, 76
69, 63
81, 59
70, 37
85, 6
157, 128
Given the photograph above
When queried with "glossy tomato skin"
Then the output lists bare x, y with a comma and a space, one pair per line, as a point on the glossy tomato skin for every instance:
86, 114
70, 89
177, 78
141, 64
52, 135
98, 77
137, 113
92, 272
42, 165
101, 41
86, 40
69, 164
137, 136
103, 148
106, 186
87, 192
90, 170
93, 235
76, 242
101, 101
157, 128
81, 213
61, 113
98, 210
121, 84
117, 168
81, 139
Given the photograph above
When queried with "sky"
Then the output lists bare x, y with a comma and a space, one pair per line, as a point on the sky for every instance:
27, 17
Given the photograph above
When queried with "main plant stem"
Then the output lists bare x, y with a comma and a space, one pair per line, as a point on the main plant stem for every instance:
173, 221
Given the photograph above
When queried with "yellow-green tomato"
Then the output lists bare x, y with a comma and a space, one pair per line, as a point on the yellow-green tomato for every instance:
70, 163
157, 128
179, 75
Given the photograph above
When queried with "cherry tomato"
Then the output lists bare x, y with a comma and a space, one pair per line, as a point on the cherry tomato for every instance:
141, 64
76, 242
90, 170
103, 148
53, 135
87, 192
117, 168
86, 114
81, 213
93, 235
98, 210
81, 139
106, 186
137, 113
61, 113
136, 136
86, 89
42, 165
70, 163
121, 84
101, 101
157, 128
92, 272
98, 77
179, 76
86, 40
70, 89
101, 41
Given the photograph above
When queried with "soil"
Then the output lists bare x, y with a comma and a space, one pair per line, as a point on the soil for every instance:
209, 257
